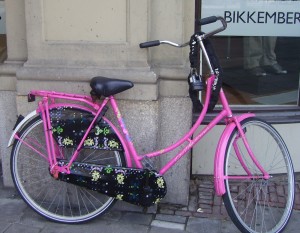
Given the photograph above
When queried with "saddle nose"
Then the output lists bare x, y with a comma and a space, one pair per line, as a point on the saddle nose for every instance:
103, 86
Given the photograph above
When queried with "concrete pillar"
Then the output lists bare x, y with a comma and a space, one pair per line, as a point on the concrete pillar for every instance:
68, 42
175, 120
174, 23
16, 55
8, 116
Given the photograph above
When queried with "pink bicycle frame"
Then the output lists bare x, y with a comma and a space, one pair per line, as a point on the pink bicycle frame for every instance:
129, 149
226, 113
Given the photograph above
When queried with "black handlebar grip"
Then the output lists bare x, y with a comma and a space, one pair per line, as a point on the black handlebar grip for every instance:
207, 20
150, 44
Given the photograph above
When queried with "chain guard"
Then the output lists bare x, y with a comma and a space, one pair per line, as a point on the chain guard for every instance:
137, 186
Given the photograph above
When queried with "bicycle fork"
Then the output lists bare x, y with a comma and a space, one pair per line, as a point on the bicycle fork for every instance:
220, 156
242, 135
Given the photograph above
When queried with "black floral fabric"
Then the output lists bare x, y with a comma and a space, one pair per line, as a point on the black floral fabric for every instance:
69, 126
136, 186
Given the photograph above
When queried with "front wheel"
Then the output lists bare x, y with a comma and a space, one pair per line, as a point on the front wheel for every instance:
256, 204
56, 200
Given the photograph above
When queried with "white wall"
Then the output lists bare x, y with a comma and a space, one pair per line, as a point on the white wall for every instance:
204, 151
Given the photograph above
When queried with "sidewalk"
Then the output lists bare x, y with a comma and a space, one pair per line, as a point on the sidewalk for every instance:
204, 214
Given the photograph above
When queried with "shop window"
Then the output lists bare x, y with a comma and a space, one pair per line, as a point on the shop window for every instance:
260, 50
260, 79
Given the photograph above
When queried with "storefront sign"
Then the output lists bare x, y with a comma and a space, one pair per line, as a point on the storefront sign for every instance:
255, 17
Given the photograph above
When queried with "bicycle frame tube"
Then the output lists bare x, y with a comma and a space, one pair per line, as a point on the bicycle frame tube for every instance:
137, 158
185, 139
43, 109
60, 95
220, 152
128, 140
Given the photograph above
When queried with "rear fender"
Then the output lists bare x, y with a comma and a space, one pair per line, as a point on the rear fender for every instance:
20, 126
219, 176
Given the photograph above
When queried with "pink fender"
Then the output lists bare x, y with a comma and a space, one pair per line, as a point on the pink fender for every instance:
220, 155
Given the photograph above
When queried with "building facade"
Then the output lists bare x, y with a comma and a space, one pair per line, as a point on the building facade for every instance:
60, 45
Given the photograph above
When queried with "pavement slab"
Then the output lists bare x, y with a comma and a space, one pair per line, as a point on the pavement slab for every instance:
205, 213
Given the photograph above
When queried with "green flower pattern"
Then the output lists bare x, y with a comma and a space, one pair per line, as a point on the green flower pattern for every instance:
108, 170
98, 130
58, 130
105, 131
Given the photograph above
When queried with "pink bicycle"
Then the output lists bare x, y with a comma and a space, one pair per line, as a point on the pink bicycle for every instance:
69, 162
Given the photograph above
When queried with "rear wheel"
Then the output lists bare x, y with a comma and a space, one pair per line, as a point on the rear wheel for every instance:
257, 204
54, 199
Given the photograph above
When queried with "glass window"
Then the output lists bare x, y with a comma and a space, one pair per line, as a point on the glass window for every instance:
259, 51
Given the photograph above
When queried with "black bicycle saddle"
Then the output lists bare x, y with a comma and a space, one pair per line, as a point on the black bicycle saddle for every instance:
102, 86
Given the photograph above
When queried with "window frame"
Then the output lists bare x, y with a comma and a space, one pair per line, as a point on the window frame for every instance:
272, 114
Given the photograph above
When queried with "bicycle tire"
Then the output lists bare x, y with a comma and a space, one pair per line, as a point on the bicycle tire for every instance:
253, 204
57, 200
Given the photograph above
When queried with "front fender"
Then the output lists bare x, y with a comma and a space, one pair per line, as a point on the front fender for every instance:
220, 155
20, 126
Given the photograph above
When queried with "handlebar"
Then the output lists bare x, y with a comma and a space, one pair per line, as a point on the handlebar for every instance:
213, 19
149, 44
207, 20
159, 42
203, 21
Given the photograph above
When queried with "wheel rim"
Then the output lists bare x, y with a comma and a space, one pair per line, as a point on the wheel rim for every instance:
57, 200
256, 207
